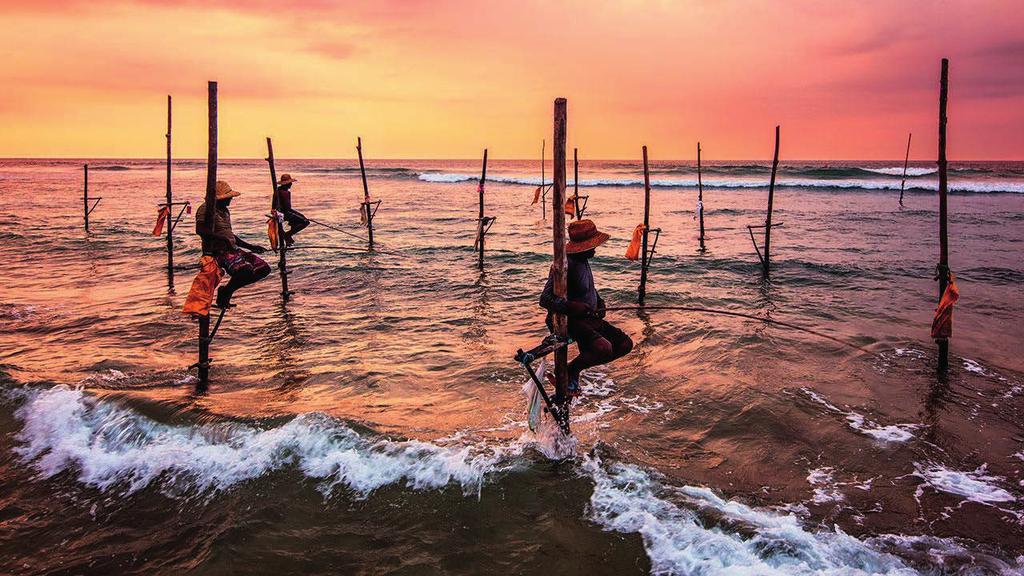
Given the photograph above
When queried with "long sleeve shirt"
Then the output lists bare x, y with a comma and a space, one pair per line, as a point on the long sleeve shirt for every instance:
219, 238
580, 288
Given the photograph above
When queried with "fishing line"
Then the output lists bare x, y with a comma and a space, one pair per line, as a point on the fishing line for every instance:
352, 235
741, 315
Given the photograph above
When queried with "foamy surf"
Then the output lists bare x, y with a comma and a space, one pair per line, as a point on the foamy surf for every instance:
627, 499
883, 433
113, 448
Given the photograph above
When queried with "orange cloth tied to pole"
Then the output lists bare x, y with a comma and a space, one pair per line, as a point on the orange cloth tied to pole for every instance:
633, 251
570, 207
272, 228
536, 195
200, 295
161, 217
942, 324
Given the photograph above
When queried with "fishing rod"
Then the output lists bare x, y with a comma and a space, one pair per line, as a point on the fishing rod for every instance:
328, 226
739, 315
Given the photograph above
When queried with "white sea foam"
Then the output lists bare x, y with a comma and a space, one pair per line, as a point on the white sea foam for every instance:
975, 486
109, 447
975, 186
898, 171
626, 499
825, 489
889, 433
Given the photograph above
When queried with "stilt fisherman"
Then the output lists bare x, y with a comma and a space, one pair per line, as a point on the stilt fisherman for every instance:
599, 342
296, 221
234, 255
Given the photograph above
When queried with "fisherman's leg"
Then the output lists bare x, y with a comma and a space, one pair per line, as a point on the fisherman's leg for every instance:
594, 348
296, 223
244, 269
621, 343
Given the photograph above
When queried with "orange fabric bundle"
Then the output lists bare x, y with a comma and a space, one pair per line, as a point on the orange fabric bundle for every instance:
633, 252
200, 295
161, 217
942, 324
272, 230
536, 195
570, 207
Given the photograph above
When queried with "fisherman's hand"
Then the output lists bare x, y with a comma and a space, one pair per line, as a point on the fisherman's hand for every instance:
600, 308
577, 309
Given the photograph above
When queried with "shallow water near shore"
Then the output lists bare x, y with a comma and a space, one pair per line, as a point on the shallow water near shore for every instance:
375, 423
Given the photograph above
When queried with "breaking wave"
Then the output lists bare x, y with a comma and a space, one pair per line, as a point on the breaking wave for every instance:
971, 186
113, 448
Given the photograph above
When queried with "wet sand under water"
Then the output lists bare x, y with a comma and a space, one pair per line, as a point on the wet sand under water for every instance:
375, 423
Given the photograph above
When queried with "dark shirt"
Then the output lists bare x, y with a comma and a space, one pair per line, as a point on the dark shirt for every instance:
219, 238
284, 200
579, 284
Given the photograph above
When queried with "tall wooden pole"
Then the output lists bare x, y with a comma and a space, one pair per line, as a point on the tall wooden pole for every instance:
282, 245
85, 195
700, 200
481, 223
906, 160
576, 183
208, 215
771, 197
366, 192
642, 292
543, 183
170, 200
559, 268
943, 268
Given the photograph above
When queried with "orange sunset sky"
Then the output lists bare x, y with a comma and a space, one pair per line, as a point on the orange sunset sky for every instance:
443, 79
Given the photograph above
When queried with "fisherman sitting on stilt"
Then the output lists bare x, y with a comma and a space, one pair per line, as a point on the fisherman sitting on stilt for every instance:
599, 342
296, 221
229, 250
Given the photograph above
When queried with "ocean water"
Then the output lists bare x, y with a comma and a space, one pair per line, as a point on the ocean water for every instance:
376, 422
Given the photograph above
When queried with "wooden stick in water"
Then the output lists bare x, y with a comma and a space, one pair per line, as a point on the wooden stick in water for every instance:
559, 268
170, 201
366, 192
768, 218
943, 268
85, 195
642, 291
700, 200
211, 207
275, 205
906, 161
481, 222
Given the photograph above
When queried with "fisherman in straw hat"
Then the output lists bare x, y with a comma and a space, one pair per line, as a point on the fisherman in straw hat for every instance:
296, 221
229, 250
599, 342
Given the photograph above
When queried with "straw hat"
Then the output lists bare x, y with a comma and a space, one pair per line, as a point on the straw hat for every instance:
224, 191
583, 236
286, 179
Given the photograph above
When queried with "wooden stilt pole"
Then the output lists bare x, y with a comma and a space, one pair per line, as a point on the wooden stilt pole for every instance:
576, 183
85, 196
766, 262
170, 201
642, 291
282, 246
482, 221
906, 160
943, 268
211, 208
700, 200
369, 211
559, 267
543, 183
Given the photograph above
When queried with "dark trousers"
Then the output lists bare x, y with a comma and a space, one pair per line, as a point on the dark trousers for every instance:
244, 268
599, 343
296, 222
